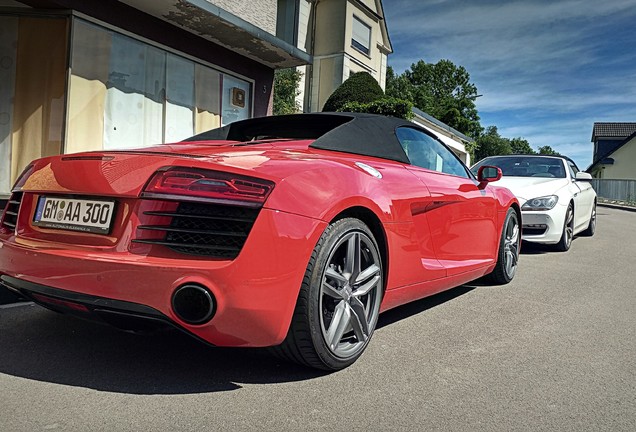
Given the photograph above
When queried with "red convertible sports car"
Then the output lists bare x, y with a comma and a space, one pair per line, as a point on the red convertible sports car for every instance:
293, 232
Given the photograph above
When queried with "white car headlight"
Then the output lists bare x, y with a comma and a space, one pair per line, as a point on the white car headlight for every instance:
541, 203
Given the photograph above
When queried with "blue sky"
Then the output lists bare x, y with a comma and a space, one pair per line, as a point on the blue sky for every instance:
547, 69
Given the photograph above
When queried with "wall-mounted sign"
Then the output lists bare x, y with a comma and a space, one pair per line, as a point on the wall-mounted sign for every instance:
238, 97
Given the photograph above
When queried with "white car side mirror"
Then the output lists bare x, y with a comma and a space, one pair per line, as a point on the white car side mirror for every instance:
583, 176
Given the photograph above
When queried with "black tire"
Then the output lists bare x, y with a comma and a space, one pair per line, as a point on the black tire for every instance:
568, 231
339, 300
591, 228
509, 247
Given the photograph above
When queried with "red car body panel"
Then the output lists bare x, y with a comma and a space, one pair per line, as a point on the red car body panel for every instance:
439, 230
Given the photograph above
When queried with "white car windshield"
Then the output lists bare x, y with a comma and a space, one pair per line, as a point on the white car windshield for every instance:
525, 166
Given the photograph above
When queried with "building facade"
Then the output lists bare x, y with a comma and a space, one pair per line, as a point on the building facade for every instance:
614, 151
343, 37
91, 75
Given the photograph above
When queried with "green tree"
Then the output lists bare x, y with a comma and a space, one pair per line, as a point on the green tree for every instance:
398, 86
521, 146
442, 90
285, 91
549, 151
491, 143
359, 87
386, 106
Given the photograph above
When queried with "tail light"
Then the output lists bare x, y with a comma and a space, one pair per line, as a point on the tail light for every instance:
22, 178
206, 185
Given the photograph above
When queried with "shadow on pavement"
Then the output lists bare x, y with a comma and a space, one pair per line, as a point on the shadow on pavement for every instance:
7, 297
41, 345
528, 248
410, 309
45, 346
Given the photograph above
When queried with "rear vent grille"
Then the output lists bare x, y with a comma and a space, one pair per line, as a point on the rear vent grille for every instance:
10, 219
211, 230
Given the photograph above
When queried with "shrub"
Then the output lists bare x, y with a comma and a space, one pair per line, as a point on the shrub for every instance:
359, 87
385, 106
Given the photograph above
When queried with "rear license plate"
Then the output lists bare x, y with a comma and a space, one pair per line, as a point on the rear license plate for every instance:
72, 214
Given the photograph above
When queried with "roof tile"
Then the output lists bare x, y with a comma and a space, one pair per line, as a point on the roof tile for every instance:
612, 130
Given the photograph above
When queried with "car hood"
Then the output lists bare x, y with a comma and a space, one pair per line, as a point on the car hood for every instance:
526, 188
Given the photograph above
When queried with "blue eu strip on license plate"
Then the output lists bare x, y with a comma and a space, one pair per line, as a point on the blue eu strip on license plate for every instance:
73, 214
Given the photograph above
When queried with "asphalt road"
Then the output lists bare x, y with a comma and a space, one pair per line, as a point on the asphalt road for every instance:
555, 350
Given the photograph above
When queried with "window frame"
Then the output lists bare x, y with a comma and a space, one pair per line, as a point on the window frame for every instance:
356, 44
573, 168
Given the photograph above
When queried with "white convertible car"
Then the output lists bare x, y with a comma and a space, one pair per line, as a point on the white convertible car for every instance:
557, 202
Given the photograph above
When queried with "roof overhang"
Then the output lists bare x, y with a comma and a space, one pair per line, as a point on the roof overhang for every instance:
433, 122
221, 27
386, 40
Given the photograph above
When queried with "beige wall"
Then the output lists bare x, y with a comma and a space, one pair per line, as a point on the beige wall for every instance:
369, 3
624, 167
261, 13
328, 73
330, 20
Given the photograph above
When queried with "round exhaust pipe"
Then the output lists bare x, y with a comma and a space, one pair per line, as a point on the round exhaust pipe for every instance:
193, 304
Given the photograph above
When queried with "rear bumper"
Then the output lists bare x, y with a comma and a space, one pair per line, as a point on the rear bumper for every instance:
121, 314
255, 293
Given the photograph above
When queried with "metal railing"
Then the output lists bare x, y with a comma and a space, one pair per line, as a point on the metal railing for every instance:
622, 190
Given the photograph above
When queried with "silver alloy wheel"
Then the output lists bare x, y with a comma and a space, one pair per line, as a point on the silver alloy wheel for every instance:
350, 294
511, 246
569, 227
593, 219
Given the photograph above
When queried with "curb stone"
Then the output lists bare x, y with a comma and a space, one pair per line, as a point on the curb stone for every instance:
616, 206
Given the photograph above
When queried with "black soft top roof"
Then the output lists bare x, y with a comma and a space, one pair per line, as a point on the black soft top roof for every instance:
358, 133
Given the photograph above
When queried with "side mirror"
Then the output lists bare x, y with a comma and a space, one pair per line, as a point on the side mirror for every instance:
488, 174
583, 176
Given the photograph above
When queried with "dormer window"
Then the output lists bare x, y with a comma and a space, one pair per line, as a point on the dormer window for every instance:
361, 36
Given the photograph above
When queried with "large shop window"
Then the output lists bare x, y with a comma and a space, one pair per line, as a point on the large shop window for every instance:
32, 77
125, 93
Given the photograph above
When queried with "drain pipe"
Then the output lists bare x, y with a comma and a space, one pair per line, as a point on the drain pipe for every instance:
310, 77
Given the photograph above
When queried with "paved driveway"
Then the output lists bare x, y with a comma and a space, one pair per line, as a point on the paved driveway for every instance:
555, 350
